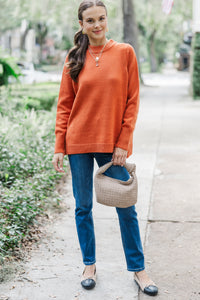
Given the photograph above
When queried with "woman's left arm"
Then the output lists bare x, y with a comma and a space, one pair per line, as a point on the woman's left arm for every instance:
131, 110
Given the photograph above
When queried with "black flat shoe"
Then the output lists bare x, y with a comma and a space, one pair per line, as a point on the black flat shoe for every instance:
89, 282
150, 290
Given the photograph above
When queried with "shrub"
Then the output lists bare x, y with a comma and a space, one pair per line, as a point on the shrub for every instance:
27, 178
8, 69
196, 68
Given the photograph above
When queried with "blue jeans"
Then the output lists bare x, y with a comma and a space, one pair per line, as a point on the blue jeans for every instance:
82, 166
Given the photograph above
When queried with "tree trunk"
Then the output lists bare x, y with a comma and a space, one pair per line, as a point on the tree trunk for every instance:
152, 55
130, 28
23, 39
42, 31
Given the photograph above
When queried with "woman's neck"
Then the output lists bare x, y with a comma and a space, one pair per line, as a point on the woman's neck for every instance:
98, 42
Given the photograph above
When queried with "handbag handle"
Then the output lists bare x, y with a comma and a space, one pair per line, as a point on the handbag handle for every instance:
131, 168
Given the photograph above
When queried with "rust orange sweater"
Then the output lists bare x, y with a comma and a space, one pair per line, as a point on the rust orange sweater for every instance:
99, 112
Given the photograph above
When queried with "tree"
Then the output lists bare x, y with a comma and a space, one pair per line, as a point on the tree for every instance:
41, 33
161, 34
130, 25
130, 32
9, 14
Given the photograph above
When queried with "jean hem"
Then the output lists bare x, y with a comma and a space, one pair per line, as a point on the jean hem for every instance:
89, 263
136, 270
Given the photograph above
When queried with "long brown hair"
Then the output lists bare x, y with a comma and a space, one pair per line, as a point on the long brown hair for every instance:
76, 56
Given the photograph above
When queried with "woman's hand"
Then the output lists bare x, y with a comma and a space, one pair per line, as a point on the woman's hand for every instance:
119, 156
58, 162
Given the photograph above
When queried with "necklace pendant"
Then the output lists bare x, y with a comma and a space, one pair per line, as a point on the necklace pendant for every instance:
97, 61
96, 58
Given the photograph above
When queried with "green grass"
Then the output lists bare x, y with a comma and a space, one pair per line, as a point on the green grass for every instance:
50, 68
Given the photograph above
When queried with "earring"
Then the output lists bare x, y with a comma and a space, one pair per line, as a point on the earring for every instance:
107, 29
83, 32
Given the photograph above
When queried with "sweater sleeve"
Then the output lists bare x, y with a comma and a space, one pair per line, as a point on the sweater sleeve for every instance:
64, 106
132, 103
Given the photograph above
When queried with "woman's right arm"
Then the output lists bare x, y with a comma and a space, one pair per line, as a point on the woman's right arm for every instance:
64, 106
65, 102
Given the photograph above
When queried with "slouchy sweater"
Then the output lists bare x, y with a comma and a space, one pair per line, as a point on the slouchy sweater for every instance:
99, 111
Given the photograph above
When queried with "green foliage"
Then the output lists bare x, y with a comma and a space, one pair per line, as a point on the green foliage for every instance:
9, 14
64, 23
66, 43
60, 16
7, 70
163, 32
44, 102
145, 67
39, 97
196, 68
27, 177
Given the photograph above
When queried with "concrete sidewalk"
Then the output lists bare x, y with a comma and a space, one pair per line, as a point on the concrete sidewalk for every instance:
167, 154
172, 245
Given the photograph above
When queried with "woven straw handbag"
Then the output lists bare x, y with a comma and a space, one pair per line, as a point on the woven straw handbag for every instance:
114, 192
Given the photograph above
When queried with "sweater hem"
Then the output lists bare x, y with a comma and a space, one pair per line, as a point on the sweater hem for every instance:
91, 148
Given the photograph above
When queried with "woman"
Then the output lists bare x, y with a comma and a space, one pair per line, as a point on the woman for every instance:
96, 116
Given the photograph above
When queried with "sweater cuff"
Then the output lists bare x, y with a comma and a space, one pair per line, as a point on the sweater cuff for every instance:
121, 145
124, 139
60, 143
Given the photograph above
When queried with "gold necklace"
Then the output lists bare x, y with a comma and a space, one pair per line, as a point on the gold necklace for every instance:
96, 58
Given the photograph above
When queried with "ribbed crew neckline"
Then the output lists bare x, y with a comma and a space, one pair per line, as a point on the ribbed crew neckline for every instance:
109, 44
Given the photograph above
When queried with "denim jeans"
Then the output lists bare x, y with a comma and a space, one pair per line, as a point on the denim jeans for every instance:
82, 166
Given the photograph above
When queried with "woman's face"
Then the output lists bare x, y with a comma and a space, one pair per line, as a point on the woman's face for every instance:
94, 24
